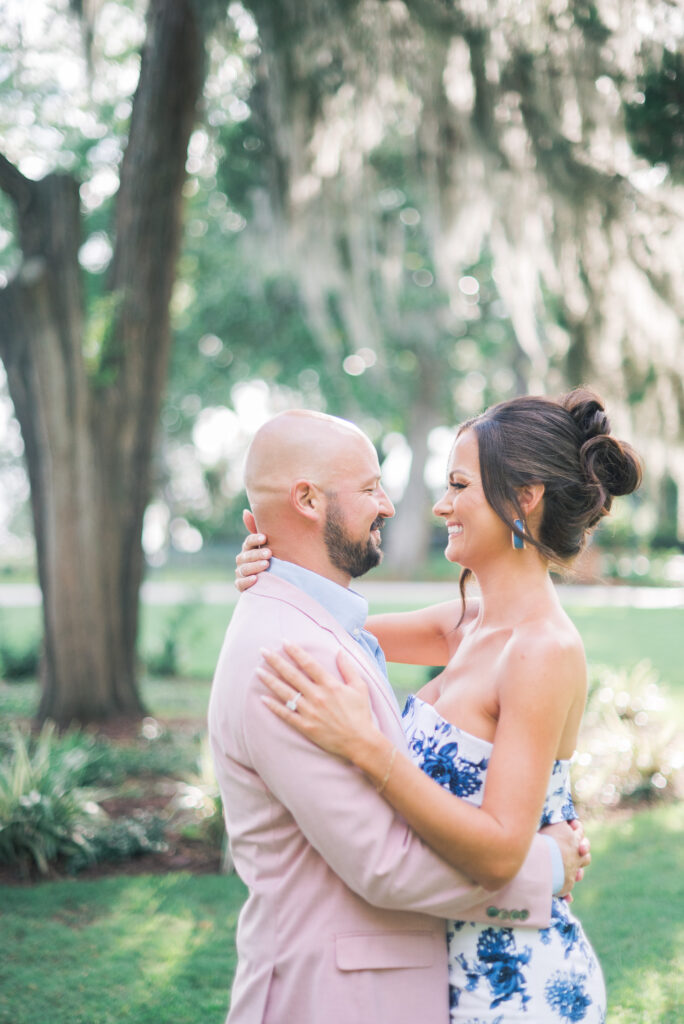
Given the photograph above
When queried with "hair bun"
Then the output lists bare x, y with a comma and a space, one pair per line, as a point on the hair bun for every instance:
610, 466
588, 412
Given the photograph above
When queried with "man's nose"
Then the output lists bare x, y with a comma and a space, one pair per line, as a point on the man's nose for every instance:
386, 506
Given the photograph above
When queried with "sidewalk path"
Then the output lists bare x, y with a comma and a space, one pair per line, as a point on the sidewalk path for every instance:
27, 595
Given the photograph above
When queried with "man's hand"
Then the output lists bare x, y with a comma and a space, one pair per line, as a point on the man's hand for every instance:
574, 848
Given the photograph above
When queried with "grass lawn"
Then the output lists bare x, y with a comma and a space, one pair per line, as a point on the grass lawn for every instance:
631, 906
152, 949
160, 949
620, 637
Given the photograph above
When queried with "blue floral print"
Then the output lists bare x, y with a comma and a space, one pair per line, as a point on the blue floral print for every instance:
565, 994
546, 976
479, 1020
457, 774
568, 930
500, 964
443, 762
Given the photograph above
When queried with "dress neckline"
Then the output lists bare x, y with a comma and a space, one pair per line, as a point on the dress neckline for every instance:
464, 732
457, 728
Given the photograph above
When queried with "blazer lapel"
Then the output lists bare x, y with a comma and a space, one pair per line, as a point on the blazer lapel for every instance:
371, 668
272, 586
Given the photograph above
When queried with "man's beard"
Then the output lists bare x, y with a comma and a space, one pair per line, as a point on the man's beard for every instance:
354, 557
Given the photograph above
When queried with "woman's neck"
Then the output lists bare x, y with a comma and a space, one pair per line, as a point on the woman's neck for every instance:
513, 590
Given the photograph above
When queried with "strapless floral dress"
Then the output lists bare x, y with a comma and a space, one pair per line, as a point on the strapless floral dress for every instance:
505, 975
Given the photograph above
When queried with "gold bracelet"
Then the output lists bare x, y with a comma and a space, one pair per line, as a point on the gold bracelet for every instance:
388, 772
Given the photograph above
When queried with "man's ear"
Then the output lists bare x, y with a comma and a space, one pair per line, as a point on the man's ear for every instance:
530, 497
307, 499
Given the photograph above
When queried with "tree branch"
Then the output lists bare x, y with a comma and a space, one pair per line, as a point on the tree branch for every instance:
14, 184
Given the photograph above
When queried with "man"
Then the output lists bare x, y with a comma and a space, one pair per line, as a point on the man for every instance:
344, 923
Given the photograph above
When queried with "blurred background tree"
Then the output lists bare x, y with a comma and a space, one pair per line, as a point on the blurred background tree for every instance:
86, 373
395, 211
427, 158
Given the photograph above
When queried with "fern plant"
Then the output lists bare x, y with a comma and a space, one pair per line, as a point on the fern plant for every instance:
44, 815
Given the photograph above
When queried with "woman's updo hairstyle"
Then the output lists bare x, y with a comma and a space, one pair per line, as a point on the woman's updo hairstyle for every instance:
565, 445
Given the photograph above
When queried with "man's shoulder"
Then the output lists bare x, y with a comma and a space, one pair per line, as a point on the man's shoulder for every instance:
264, 620
274, 606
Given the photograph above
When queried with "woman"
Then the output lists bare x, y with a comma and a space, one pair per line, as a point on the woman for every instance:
527, 480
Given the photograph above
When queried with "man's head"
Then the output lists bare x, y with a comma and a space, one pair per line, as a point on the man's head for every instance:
313, 483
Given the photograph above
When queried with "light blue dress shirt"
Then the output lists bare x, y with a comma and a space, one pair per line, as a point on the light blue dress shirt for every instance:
346, 606
351, 611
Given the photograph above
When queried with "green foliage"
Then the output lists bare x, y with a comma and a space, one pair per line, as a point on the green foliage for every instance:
48, 812
257, 317
173, 638
165, 660
118, 840
629, 749
99, 762
20, 643
588, 18
43, 813
199, 813
98, 343
623, 637
20, 660
656, 122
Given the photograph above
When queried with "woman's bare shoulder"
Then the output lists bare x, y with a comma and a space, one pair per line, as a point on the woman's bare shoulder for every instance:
547, 649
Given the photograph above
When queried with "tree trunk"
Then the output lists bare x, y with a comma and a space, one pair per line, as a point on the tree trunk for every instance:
408, 535
89, 434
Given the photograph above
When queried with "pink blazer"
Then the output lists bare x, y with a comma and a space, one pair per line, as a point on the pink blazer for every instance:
344, 922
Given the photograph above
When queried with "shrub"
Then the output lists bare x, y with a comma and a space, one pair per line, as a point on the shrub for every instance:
47, 814
101, 762
119, 839
20, 662
628, 749
199, 810
43, 813
166, 659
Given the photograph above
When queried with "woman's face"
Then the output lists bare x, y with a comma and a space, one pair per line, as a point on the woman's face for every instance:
474, 529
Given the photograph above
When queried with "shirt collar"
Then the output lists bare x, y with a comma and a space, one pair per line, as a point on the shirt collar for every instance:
349, 608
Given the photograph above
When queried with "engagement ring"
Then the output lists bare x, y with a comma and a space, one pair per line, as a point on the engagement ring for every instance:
292, 702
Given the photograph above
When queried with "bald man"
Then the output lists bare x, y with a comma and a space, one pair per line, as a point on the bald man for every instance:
345, 918
311, 477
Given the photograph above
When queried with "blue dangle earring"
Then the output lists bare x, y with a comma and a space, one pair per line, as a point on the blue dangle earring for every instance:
518, 541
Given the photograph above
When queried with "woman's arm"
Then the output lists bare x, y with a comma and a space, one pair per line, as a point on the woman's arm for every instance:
489, 843
428, 636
